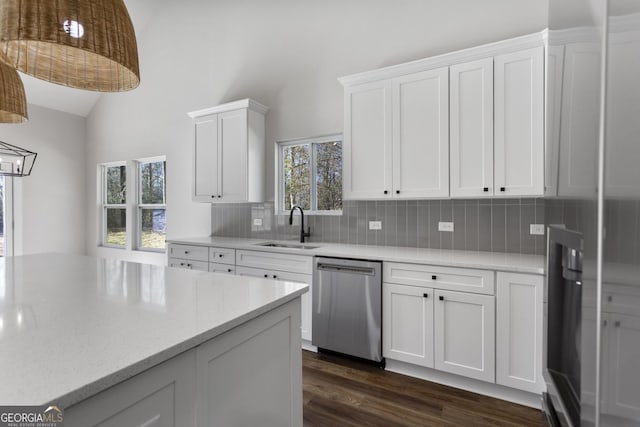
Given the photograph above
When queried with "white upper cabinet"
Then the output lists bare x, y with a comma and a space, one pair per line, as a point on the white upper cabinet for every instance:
472, 129
579, 120
367, 141
465, 124
421, 134
229, 153
519, 123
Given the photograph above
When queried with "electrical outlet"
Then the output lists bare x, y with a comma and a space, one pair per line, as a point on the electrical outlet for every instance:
536, 229
445, 226
375, 225
257, 222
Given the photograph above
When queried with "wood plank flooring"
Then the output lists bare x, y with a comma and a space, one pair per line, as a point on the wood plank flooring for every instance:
340, 392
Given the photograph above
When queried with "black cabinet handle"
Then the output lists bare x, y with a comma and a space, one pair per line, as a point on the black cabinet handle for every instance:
213, 197
503, 189
220, 256
397, 191
434, 277
485, 189
386, 192
266, 275
186, 252
219, 196
229, 270
617, 324
275, 277
425, 295
441, 298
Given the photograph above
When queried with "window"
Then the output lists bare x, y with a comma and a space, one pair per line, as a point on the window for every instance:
152, 208
310, 174
114, 209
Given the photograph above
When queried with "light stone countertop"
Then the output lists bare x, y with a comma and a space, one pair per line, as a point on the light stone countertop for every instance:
72, 326
516, 263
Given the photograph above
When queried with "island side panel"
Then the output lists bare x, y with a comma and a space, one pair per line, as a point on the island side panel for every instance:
252, 375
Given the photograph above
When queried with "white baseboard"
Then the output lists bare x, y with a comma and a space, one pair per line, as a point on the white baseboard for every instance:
494, 390
306, 345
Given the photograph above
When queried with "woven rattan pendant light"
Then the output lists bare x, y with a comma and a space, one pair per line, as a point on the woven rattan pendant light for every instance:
13, 103
85, 44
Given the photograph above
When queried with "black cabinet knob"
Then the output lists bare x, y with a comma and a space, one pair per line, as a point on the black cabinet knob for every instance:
425, 295
397, 191
441, 298
386, 192
219, 196
434, 277
503, 189
275, 277
220, 255
485, 189
266, 275
229, 270
213, 197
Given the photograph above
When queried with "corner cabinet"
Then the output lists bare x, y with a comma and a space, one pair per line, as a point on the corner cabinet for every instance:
396, 137
228, 163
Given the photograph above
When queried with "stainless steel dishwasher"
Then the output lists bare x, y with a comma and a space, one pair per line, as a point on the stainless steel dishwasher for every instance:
347, 307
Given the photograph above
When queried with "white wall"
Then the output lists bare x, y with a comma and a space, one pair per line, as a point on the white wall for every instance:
286, 54
50, 203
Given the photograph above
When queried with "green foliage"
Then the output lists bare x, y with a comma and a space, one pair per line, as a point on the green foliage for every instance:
116, 177
298, 170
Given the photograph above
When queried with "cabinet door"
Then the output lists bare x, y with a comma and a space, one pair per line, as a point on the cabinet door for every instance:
620, 372
407, 324
464, 334
554, 67
232, 168
421, 134
306, 308
472, 129
519, 332
579, 120
205, 184
163, 396
367, 141
519, 123
215, 267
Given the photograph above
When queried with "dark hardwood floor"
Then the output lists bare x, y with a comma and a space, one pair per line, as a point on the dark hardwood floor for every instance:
340, 392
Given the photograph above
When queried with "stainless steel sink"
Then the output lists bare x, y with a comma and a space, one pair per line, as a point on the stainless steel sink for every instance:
286, 245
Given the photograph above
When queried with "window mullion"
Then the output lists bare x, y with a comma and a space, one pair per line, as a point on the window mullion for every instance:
312, 179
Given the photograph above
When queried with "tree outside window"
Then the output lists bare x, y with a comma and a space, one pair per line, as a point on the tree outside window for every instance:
152, 206
114, 205
310, 174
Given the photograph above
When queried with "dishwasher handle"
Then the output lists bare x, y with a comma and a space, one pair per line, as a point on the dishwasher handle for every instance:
346, 269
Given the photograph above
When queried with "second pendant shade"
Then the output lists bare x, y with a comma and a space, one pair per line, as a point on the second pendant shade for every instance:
13, 103
85, 44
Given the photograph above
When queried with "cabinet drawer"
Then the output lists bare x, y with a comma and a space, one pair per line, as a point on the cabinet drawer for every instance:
194, 253
275, 261
448, 278
188, 264
215, 267
222, 255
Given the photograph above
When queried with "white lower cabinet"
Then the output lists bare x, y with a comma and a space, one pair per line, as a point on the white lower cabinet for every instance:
189, 264
163, 396
292, 277
464, 334
519, 331
408, 324
620, 371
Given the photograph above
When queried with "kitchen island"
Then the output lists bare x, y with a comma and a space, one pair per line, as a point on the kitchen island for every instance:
118, 343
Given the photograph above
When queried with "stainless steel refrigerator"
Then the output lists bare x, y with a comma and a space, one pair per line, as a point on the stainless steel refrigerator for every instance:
592, 208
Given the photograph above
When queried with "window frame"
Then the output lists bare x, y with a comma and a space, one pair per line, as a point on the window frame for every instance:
104, 206
139, 206
279, 157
